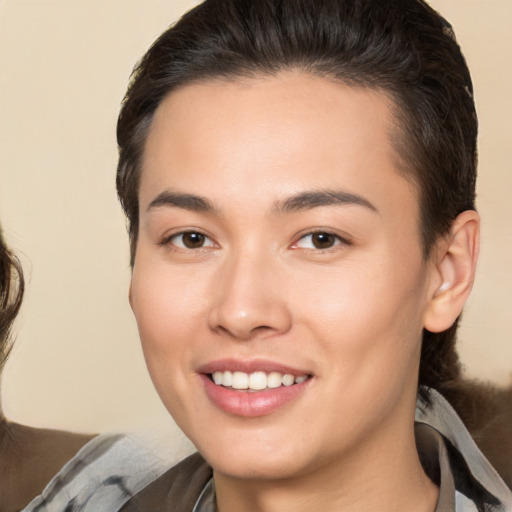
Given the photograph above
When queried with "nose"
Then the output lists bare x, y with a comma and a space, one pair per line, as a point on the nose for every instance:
249, 300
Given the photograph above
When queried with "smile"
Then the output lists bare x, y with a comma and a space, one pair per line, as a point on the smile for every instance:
256, 381
253, 389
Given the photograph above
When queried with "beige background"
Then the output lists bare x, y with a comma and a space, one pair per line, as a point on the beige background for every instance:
64, 66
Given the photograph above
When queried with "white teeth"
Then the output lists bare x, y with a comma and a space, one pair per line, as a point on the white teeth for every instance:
288, 380
274, 380
256, 380
227, 379
240, 380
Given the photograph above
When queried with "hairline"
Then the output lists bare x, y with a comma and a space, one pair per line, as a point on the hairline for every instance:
397, 132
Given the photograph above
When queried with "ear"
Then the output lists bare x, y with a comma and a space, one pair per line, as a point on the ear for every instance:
454, 267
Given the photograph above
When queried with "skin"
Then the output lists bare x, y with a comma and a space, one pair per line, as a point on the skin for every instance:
350, 315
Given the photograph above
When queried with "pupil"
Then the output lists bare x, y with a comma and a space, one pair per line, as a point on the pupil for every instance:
323, 240
193, 240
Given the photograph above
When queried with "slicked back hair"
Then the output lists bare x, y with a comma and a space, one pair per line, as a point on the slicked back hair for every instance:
402, 48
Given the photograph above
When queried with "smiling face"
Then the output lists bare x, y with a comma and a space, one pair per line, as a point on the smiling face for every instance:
279, 249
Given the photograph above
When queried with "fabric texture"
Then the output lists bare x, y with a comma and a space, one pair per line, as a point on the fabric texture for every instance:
179, 489
103, 475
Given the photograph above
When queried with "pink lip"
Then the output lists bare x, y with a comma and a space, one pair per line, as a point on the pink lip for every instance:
251, 404
256, 365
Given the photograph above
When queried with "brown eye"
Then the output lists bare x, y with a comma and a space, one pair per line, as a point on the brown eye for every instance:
191, 240
323, 240
320, 240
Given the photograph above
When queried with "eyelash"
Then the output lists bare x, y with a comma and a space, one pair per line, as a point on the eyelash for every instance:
168, 241
335, 239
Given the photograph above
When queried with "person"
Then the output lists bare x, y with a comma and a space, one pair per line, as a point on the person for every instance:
299, 182
29, 457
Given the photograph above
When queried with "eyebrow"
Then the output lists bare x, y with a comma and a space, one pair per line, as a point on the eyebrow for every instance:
302, 201
316, 198
190, 202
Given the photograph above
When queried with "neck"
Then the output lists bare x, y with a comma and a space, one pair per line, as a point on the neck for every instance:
383, 474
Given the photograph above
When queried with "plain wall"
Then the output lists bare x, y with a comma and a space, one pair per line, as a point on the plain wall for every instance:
64, 66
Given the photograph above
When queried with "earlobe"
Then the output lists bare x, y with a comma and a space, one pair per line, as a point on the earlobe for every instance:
454, 272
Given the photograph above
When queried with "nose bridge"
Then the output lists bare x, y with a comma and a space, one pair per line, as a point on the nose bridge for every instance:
248, 300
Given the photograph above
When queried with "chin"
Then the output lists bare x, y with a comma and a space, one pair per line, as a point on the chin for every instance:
255, 467
245, 455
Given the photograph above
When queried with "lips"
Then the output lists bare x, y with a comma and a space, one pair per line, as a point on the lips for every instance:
252, 389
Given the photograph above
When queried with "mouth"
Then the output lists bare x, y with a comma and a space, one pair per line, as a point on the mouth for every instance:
255, 381
255, 388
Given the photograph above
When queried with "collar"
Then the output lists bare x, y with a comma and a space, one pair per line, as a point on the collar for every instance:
464, 453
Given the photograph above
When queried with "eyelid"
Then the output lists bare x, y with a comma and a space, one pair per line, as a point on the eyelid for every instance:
168, 240
340, 239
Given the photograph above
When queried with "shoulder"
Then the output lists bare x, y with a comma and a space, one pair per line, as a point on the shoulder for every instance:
178, 488
103, 475
444, 442
29, 458
486, 410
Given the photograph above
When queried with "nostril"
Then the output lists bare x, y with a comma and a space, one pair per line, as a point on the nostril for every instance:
242, 333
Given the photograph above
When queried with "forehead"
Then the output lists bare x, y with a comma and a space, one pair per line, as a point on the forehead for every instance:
292, 128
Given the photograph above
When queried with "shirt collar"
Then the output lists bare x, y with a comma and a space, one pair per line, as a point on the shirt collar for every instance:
440, 415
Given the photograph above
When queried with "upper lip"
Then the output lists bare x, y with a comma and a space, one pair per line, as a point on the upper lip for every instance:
250, 366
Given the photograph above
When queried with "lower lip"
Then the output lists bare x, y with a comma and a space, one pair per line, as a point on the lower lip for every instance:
251, 404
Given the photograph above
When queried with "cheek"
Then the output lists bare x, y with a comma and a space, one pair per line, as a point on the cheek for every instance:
168, 307
368, 312
167, 311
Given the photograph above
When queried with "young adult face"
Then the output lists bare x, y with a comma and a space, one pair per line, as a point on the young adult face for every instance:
277, 235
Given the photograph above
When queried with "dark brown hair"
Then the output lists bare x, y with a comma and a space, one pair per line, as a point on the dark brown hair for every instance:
400, 47
12, 287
